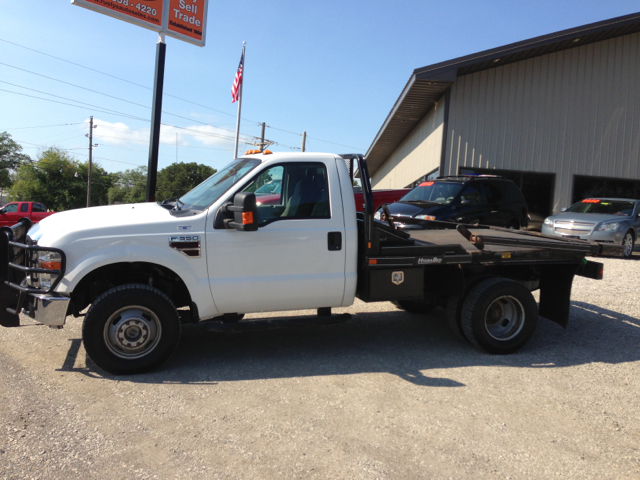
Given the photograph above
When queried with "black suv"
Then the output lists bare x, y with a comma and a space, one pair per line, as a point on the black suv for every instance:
473, 199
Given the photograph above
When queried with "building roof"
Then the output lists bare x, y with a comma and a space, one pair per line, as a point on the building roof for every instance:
428, 84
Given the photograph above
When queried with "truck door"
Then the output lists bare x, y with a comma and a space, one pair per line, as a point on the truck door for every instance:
296, 259
9, 215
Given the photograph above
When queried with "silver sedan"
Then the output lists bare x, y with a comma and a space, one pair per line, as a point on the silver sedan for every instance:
604, 220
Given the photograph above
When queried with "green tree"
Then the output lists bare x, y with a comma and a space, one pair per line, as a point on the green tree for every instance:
59, 181
178, 178
10, 158
129, 186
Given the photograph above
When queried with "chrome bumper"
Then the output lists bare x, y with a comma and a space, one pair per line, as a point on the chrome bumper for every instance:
47, 309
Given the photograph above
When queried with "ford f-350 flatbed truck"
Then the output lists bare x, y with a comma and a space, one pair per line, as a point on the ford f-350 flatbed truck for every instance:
216, 255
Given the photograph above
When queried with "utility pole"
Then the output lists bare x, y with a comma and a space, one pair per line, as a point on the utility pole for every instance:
262, 138
304, 140
91, 145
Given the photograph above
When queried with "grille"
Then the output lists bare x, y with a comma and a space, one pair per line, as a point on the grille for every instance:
574, 228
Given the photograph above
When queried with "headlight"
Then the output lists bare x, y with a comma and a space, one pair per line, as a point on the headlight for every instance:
425, 217
48, 261
548, 222
609, 227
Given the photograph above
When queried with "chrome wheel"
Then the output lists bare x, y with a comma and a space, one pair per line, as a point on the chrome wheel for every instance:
627, 244
132, 332
504, 318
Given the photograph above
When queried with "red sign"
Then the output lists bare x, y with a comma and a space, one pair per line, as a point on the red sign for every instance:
186, 20
181, 19
145, 13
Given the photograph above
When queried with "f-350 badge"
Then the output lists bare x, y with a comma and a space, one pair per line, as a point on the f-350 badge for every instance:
397, 278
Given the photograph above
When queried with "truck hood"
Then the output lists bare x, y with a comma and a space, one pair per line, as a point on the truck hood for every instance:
130, 219
589, 217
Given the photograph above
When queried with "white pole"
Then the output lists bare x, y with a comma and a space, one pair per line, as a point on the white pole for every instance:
244, 61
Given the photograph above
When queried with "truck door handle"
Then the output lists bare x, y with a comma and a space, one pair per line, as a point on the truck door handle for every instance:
335, 241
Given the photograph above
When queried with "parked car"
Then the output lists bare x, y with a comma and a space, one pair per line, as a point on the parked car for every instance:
603, 220
271, 188
12, 212
473, 199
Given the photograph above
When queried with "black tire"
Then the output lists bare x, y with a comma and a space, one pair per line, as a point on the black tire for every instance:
628, 241
415, 306
513, 225
499, 315
131, 329
454, 314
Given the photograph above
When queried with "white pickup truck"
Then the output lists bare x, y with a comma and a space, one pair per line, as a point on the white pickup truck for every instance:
220, 253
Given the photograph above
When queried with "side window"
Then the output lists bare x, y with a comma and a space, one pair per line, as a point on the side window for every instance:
515, 195
24, 207
11, 208
39, 208
493, 194
472, 194
296, 191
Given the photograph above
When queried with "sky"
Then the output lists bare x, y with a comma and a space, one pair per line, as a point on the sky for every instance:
332, 69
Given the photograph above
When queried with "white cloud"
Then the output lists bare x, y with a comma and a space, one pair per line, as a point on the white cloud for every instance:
121, 134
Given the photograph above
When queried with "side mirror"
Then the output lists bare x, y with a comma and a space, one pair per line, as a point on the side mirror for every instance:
245, 212
463, 203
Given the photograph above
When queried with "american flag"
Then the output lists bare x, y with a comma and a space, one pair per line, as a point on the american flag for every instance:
235, 89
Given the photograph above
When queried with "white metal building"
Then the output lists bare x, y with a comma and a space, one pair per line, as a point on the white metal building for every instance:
558, 114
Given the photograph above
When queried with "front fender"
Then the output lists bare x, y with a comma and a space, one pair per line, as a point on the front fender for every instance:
86, 255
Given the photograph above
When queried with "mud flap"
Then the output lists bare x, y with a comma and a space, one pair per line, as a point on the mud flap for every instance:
555, 292
8, 295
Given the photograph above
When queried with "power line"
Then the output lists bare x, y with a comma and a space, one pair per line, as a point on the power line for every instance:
149, 88
43, 126
121, 79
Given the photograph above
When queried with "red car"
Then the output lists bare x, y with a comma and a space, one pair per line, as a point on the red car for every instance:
12, 212
379, 197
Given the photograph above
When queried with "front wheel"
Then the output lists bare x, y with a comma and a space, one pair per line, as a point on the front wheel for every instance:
499, 315
131, 329
627, 245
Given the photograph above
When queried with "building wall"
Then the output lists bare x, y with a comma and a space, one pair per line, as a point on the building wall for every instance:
418, 154
575, 112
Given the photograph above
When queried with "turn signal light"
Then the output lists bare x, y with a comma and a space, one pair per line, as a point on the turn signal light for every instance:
51, 265
373, 261
247, 218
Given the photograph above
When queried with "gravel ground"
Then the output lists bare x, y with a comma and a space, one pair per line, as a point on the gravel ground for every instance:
385, 395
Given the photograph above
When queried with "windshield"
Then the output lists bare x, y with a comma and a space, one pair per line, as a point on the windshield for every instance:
607, 207
213, 187
436, 192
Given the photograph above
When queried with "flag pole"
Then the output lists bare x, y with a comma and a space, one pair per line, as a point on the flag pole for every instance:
235, 154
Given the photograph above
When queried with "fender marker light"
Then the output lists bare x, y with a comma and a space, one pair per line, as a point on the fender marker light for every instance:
247, 218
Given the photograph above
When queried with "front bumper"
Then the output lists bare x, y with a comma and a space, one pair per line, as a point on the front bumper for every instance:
19, 288
592, 236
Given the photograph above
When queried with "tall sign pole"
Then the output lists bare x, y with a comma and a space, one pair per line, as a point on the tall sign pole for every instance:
156, 119
182, 19
238, 85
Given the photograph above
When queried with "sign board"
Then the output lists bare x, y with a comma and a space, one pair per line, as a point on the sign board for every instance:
181, 19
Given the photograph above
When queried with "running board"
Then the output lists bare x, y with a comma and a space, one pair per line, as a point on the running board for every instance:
245, 325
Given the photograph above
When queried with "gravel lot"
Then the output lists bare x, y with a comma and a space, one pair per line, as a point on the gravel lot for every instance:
385, 395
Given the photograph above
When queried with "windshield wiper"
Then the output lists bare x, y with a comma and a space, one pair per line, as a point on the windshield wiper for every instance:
178, 204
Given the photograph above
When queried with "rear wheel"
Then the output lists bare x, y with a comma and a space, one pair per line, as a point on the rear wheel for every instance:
415, 306
627, 244
131, 329
513, 225
499, 315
